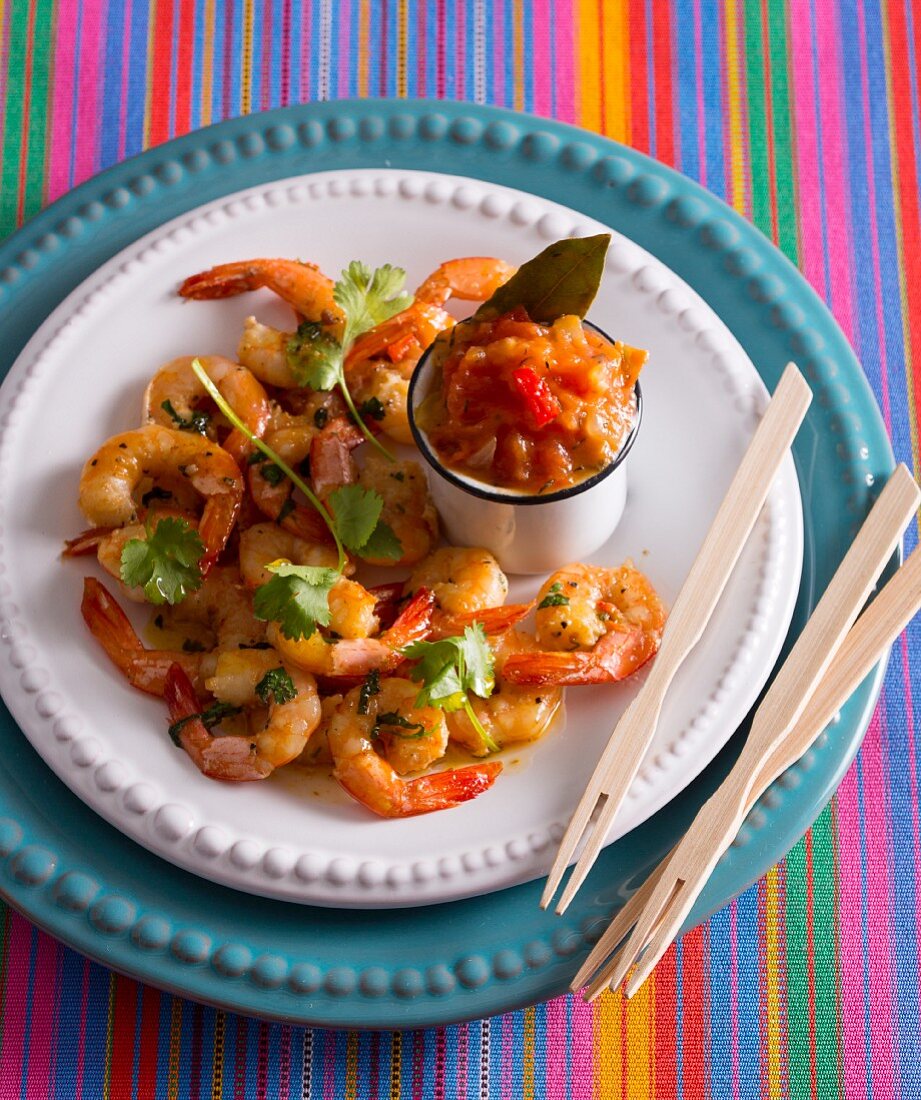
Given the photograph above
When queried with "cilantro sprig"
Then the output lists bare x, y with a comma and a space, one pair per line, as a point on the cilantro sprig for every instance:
367, 298
353, 516
297, 598
398, 726
210, 717
450, 669
298, 595
165, 563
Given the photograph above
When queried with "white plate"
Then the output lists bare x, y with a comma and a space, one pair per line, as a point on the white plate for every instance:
80, 379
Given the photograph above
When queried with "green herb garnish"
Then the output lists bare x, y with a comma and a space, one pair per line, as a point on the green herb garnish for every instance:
273, 474
367, 298
412, 731
165, 563
451, 668
210, 717
277, 685
297, 598
562, 279
554, 597
372, 408
371, 686
198, 422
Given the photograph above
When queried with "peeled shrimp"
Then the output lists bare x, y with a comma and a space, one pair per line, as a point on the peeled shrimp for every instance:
599, 625
351, 658
178, 384
513, 713
264, 351
471, 278
380, 363
408, 750
111, 477
303, 286
463, 579
267, 542
223, 607
374, 782
287, 730
408, 507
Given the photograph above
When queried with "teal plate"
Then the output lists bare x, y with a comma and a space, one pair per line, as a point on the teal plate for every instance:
80, 879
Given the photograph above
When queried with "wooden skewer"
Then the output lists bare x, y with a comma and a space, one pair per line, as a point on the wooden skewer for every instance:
690, 614
830, 659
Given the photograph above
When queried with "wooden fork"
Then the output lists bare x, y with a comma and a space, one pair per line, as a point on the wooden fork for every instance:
827, 663
689, 616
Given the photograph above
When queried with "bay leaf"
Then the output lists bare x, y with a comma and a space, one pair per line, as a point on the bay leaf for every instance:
562, 279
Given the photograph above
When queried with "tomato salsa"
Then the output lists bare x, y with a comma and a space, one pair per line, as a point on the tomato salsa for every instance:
528, 406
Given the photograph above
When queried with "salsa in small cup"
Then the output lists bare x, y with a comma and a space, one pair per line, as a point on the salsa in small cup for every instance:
526, 406
526, 427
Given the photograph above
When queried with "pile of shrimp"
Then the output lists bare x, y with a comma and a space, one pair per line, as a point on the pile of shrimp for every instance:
185, 461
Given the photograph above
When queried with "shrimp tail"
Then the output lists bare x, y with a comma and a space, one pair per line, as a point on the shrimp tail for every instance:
230, 758
388, 602
614, 657
430, 793
493, 620
87, 542
223, 281
414, 622
145, 669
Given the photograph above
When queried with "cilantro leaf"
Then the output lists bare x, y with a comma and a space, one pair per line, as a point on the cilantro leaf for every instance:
450, 668
165, 564
383, 544
554, 597
278, 685
356, 514
314, 356
367, 298
297, 598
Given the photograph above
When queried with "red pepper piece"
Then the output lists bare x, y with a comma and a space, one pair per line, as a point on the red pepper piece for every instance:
538, 397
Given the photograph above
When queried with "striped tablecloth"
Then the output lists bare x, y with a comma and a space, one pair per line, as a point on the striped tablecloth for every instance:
802, 115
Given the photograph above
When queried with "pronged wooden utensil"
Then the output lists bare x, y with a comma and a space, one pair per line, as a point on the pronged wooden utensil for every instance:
690, 614
829, 660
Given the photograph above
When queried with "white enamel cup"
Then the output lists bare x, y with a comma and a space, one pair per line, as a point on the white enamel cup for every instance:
526, 533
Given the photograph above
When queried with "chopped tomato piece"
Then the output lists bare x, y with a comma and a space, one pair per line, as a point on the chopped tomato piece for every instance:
538, 397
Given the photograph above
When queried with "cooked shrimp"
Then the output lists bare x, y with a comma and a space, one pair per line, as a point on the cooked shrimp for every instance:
145, 669
223, 607
108, 543
303, 286
381, 362
352, 658
111, 477
464, 579
408, 507
513, 713
608, 622
267, 542
331, 466
264, 351
407, 749
177, 386
287, 730
472, 278
374, 782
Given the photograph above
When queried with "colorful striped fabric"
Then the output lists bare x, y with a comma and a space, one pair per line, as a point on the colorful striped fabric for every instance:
804, 116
